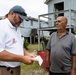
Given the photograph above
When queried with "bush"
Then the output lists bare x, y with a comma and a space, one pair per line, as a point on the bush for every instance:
25, 44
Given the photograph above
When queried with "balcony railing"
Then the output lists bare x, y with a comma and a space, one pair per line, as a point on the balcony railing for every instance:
50, 18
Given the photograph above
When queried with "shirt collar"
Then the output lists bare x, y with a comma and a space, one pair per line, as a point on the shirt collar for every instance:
64, 34
10, 25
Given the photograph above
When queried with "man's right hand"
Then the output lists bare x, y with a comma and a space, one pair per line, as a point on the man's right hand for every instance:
28, 60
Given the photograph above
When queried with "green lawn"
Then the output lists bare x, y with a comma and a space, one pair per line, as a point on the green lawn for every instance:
33, 47
25, 68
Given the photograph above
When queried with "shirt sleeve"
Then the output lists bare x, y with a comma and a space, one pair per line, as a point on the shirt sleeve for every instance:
48, 47
2, 40
73, 52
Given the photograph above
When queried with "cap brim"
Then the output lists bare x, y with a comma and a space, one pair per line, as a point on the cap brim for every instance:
23, 17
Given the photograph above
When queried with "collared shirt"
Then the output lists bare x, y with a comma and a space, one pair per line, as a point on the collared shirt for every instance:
11, 41
61, 50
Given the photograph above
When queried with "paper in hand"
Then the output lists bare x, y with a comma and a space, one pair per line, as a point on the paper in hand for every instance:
39, 59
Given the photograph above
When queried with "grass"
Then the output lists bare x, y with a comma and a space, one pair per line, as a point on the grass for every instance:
33, 69
34, 66
33, 47
25, 68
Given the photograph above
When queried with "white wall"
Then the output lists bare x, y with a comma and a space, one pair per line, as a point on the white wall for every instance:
26, 28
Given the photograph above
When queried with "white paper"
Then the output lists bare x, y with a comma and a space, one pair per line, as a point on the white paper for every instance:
39, 59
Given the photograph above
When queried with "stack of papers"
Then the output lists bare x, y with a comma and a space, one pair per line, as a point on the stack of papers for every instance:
39, 59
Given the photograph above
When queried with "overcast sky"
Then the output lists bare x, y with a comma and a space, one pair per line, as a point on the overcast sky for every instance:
32, 7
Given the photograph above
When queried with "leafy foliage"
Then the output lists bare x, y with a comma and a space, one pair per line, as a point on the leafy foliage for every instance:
25, 45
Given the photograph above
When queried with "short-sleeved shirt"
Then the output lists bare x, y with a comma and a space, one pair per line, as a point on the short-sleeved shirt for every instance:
61, 50
11, 41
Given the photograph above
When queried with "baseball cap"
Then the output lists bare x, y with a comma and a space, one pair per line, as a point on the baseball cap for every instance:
20, 11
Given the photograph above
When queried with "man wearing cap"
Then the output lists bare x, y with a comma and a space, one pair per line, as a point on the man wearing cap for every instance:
11, 43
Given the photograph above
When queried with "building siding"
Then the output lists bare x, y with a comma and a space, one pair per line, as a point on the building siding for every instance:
68, 4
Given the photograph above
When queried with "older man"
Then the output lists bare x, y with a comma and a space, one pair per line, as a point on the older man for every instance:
62, 48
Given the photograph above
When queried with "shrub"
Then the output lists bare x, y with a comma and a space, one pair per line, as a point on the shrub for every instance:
25, 44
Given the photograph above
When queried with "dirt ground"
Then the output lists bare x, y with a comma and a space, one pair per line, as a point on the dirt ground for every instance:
36, 72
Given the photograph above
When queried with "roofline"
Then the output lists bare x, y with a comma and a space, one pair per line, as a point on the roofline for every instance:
46, 2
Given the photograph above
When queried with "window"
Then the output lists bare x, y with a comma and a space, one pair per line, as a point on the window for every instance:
59, 7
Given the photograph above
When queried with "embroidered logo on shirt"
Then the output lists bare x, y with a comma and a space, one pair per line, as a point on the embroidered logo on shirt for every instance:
14, 41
